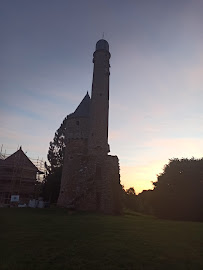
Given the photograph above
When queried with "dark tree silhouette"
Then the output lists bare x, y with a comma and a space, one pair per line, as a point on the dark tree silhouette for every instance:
57, 148
144, 202
178, 192
52, 181
129, 198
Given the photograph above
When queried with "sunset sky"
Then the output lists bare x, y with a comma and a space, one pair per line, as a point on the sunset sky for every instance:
156, 81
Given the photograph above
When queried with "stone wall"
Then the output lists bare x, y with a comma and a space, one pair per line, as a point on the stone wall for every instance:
74, 162
77, 128
91, 183
109, 185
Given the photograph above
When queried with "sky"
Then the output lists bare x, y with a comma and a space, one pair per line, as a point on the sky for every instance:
156, 79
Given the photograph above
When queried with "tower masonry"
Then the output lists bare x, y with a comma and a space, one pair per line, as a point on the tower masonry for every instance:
99, 108
90, 177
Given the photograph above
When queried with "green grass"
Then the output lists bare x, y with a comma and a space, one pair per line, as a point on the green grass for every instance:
53, 239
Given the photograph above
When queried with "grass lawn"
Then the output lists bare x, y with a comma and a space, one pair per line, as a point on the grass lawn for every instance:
53, 239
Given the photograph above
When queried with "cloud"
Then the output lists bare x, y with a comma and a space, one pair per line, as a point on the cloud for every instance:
177, 147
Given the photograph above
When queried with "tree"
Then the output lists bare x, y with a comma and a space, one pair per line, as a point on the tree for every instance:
178, 192
52, 181
51, 185
129, 198
144, 202
57, 148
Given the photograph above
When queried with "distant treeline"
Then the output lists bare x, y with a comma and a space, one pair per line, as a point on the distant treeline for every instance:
177, 194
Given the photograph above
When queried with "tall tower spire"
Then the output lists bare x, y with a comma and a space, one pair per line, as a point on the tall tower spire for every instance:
99, 108
90, 177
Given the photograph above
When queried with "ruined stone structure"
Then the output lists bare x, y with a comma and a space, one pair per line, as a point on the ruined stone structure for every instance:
90, 178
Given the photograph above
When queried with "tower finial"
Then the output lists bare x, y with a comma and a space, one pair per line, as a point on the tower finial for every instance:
103, 35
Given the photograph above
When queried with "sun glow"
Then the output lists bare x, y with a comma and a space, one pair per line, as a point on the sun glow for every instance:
141, 177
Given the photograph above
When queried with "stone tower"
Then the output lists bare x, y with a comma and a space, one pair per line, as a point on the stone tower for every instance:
90, 178
99, 110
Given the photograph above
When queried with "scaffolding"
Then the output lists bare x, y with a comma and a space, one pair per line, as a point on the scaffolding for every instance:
17, 177
39, 163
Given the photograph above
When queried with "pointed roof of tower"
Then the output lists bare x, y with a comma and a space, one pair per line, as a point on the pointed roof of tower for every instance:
83, 109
